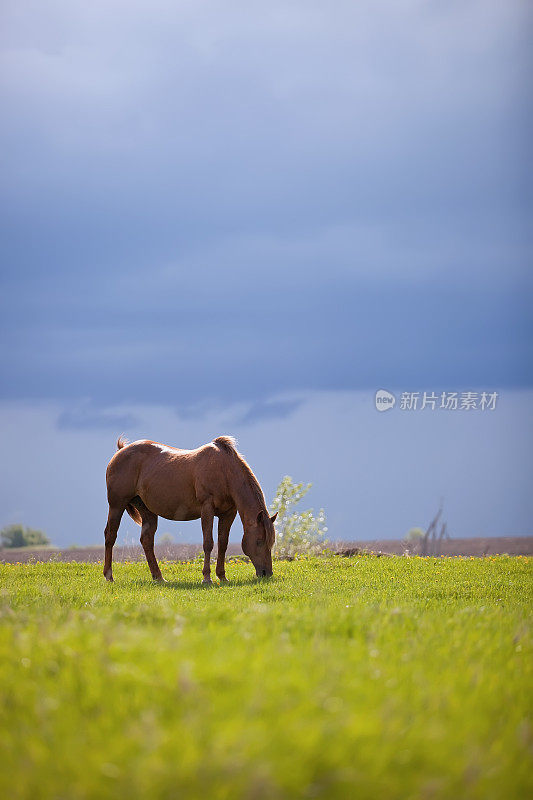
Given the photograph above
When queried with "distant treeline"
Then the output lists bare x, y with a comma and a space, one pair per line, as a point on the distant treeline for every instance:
19, 536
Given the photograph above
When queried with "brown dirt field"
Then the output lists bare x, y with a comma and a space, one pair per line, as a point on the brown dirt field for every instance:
479, 546
510, 545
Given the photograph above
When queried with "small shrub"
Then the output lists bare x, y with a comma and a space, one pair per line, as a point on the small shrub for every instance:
415, 536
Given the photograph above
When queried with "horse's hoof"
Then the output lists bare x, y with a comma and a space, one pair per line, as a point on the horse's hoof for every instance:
160, 579
207, 582
109, 578
223, 579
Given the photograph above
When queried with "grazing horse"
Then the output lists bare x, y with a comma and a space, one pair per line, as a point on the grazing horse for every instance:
148, 480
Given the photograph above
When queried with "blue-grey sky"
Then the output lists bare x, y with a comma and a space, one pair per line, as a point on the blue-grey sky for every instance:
241, 206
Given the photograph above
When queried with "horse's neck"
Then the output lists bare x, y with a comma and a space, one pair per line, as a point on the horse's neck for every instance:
244, 493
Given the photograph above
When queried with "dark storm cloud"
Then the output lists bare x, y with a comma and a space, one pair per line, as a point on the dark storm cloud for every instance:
220, 204
83, 417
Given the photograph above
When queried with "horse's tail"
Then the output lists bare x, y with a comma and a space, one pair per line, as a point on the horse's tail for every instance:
132, 511
134, 514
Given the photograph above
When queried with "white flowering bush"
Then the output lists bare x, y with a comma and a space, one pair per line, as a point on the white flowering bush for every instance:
297, 532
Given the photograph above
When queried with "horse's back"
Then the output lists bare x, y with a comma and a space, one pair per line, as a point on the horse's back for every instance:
165, 478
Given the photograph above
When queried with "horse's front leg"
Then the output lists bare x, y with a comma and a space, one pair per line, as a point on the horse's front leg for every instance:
225, 522
207, 516
148, 530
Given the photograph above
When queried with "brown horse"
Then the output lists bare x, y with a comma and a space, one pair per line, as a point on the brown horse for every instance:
148, 480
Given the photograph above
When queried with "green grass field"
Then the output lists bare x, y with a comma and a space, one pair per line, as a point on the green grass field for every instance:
341, 677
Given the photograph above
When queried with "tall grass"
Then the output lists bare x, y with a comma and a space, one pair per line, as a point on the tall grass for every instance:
362, 677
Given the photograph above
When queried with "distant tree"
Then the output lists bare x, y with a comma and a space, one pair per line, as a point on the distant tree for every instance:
415, 535
167, 538
296, 531
19, 536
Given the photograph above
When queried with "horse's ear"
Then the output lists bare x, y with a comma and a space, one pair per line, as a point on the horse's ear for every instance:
260, 517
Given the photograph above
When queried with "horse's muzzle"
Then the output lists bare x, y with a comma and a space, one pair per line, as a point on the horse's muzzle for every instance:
263, 573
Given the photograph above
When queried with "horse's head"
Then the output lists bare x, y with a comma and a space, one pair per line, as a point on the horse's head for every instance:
257, 543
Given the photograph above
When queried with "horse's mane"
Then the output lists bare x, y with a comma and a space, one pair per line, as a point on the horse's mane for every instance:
229, 445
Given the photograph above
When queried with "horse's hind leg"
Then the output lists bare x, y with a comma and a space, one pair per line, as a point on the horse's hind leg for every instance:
149, 527
110, 534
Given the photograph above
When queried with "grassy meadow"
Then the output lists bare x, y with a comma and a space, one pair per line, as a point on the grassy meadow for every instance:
341, 677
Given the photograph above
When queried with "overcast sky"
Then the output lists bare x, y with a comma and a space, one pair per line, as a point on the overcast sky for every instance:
237, 213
